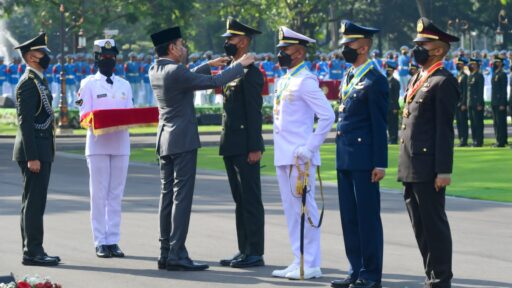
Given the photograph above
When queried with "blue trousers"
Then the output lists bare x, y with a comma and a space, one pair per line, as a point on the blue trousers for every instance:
362, 227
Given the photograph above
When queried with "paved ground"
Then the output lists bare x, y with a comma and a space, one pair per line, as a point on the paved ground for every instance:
481, 232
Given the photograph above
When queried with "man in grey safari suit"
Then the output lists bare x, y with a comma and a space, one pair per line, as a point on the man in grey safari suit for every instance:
178, 139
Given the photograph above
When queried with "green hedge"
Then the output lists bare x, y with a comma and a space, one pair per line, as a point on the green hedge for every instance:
8, 116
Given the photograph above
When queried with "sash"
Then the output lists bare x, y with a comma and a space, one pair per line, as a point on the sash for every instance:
413, 89
284, 86
347, 87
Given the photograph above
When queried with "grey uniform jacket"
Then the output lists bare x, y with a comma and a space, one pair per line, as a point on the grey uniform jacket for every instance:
173, 85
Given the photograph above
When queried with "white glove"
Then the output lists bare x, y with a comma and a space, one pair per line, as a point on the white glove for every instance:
303, 154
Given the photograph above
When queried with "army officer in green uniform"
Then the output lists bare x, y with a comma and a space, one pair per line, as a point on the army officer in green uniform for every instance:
499, 102
476, 102
34, 148
241, 144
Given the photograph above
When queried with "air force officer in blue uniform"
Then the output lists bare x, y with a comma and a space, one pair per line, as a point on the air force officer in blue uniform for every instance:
361, 158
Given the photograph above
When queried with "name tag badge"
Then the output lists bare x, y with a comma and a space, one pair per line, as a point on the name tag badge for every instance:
101, 95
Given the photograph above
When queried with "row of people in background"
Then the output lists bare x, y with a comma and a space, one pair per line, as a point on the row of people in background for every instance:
78, 67
326, 66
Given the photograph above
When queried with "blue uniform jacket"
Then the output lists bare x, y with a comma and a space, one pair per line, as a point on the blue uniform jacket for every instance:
14, 74
322, 69
403, 65
132, 72
3, 74
361, 140
70, 70
119, 70
336, 69
48, 74
145, 71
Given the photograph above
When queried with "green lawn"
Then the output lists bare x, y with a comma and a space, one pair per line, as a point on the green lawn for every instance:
479, 173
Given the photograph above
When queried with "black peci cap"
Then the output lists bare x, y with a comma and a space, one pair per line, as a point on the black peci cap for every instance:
166, 35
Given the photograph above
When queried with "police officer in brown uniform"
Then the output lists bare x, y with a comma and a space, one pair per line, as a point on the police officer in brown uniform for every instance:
426, 150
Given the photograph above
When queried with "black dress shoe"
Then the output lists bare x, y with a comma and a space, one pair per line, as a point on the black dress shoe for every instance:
54, 257
462, 145
115, 251
227, 262
248, 261
365, 284
185, 265
102, 251
345, 283
162, 260
40, 260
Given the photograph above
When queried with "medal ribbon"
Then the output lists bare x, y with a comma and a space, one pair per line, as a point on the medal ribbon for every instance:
347, 88
411, 91
288, 76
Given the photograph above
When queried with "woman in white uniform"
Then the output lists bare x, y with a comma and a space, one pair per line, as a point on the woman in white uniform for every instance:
107, 154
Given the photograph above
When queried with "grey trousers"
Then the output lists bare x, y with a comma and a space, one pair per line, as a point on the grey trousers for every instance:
177, 175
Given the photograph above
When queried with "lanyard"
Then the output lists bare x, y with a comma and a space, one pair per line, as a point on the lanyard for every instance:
411, 92
288, 76
347, 87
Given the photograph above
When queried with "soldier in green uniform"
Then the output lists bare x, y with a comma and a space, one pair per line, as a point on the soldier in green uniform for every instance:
499, 102
394, 106
476, 102
241, 145
34, 148
461, 114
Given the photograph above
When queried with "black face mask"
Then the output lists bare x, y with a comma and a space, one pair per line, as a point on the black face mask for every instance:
230, 49
420, 55
458, 67
44, 61
389, 73
350, 54
284, 59
106, 66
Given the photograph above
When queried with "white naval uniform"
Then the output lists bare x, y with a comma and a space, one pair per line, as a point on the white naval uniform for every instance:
293, 127
107, 156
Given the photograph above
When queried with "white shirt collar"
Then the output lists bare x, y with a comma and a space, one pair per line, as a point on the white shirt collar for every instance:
100, 76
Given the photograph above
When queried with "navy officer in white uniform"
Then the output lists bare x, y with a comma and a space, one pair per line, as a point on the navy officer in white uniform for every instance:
107, 154
298, 100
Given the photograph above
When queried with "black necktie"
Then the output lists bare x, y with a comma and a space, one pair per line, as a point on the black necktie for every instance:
109, 81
